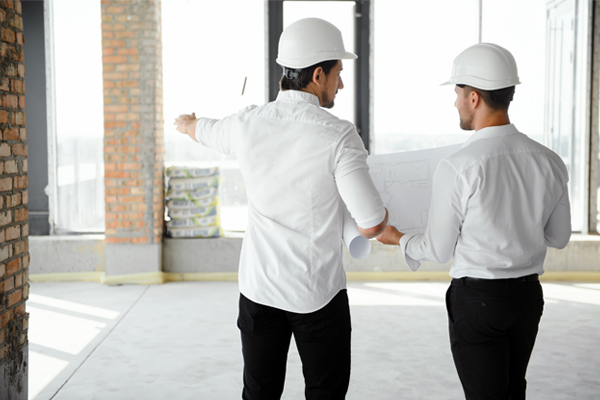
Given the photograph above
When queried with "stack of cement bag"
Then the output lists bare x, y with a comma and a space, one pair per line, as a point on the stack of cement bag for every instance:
193, 202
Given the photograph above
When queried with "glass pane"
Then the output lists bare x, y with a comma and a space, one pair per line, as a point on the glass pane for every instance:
79, 116
340, 14
213, 67
414, 44
561, 135
523, 33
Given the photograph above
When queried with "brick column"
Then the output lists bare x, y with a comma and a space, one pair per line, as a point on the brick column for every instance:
133, 135
14, 218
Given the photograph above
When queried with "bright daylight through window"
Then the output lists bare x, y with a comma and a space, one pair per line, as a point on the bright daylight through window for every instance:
79, 118
216, 66
213, 67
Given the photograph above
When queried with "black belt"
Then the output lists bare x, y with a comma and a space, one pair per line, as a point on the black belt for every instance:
468, 279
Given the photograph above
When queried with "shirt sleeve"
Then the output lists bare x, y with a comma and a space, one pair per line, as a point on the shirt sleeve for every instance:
354, 183
557, 231
444, 223
219, 134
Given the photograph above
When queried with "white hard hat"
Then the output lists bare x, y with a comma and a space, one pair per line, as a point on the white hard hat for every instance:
484, 66
310, 41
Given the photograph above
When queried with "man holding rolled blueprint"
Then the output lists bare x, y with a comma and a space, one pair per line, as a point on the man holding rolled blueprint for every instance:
497, 204
302, 167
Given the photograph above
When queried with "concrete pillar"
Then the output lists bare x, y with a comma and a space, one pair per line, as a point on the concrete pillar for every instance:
133, 135
14, 216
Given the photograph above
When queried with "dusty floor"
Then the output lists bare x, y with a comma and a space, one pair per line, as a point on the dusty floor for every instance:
180, 341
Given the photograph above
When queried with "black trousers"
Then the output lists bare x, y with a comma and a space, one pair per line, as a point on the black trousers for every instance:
493, 325
323, 341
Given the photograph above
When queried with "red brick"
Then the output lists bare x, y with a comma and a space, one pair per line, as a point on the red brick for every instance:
112, 44
111, 125
8, 35
21, 102
26, 264
21, 214
115, 10
5, 184
13, 200
20, 182
19, 280
115, 240
2, 270
9, 284
116, 108
19, 118
114, 59
19, 149
12, 133
125, 35
142, 239
25, 231
15, 297
5, 218
10, 101
127, 84
12, 233
14, 266
3, 117
10, 167
18, 86
128, 52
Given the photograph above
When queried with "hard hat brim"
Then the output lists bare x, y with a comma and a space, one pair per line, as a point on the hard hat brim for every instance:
316, 59
480, 84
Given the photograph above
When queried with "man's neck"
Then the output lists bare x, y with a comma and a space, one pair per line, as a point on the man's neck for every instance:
492, 119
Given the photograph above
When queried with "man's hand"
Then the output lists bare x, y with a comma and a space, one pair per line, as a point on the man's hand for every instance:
390, 235
186, 124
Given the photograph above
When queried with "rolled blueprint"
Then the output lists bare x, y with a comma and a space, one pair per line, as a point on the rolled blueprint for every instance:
358, 245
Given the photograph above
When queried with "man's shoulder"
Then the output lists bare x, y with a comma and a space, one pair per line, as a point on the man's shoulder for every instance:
301, 112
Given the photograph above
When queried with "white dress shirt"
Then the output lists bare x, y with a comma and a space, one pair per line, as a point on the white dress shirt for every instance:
497, 204
298, 162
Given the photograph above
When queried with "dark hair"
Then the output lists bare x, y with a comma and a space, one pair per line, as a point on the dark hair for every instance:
303, 76
496, 100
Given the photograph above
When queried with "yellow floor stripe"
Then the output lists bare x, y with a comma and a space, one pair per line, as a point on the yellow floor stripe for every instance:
155, 278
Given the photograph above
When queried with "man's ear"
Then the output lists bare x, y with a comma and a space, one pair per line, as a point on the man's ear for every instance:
318, 77
474, 99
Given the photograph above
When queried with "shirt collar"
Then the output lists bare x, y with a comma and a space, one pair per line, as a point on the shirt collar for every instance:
492, 132
298, 95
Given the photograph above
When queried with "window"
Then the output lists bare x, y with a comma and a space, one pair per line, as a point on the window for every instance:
213, 66
79, 117
414, 44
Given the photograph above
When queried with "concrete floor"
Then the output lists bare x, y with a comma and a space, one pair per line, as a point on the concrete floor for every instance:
179, 340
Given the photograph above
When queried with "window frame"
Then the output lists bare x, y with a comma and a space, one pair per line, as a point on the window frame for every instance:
362, 48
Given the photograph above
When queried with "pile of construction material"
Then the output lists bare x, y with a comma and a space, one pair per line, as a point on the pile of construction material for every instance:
193, 202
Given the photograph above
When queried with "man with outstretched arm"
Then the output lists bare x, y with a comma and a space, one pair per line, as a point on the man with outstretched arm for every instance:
300, 165
497, 204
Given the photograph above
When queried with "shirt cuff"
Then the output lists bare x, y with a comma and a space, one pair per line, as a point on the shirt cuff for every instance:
411, 262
